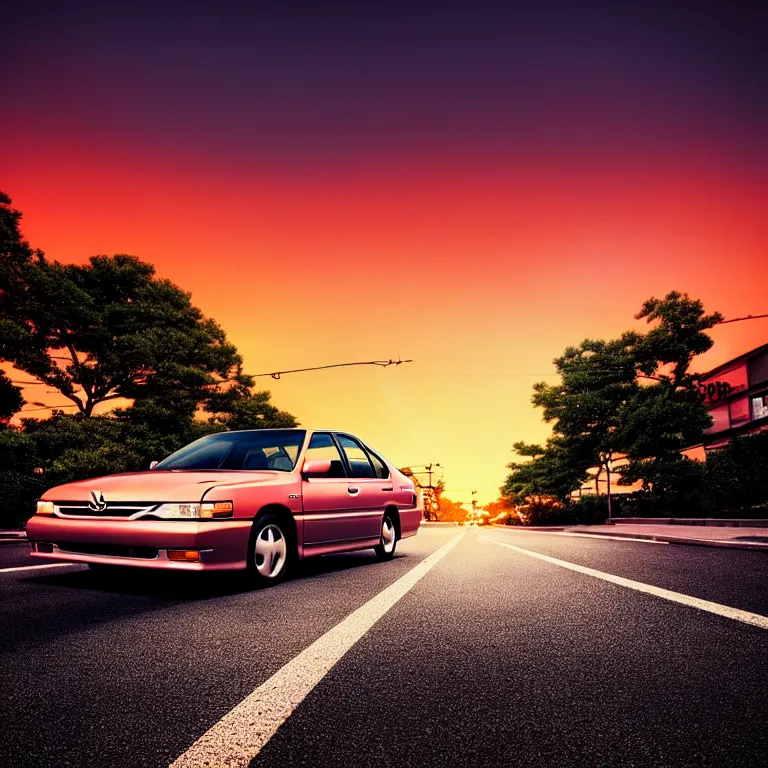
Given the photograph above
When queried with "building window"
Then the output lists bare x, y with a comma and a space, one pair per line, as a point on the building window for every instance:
758, 369
760, 406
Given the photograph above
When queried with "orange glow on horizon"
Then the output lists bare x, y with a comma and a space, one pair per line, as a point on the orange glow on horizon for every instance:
482, 275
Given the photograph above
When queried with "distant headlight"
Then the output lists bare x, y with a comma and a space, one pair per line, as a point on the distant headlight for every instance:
178, 511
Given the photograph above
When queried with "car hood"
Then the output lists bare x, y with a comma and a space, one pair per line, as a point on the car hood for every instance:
158, 485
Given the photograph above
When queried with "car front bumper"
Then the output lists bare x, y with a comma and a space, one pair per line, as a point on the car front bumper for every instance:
222, 545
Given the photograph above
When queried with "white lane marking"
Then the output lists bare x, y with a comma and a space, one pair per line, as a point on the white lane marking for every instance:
241, 734
755, 619
517, 529
612, 538
33, 567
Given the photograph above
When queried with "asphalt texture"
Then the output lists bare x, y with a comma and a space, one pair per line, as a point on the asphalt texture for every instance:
493, 658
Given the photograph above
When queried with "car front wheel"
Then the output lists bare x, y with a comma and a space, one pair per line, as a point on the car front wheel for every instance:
269, 551
388, 542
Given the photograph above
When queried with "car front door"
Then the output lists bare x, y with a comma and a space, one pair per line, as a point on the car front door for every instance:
328, 503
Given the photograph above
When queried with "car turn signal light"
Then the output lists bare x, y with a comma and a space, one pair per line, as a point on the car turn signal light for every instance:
44, 507
217, 510
184, 555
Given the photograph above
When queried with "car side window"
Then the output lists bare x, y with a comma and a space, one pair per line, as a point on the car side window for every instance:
379, 467
359, 464
322, 447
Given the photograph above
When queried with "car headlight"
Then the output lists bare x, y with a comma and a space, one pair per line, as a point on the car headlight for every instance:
178, 511
45, 508
208, 510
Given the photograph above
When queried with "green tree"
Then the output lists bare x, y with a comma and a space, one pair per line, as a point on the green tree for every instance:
237, 407
737, 475
586, 408
668, 349
668, 414
555, 469
11, 399
109, 329
98, 332
635, 397
20, 485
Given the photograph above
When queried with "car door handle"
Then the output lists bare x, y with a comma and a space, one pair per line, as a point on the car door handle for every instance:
388, 488
353, 491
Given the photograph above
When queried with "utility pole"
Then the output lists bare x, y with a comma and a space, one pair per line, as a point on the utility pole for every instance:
474, 505
429, 470
428, 467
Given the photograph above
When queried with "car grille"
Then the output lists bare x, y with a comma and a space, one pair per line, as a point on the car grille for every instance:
113, 509
108, 550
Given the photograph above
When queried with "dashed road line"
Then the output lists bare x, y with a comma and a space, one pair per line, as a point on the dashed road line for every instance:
755, 619
520, 529
241, 734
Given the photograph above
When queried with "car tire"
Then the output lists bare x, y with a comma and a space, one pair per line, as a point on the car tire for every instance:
385, 550
270, 551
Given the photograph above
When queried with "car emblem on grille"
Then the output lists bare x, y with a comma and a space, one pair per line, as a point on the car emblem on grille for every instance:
97, 503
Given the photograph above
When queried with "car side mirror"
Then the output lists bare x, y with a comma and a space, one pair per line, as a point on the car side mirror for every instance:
316, 468
153, 464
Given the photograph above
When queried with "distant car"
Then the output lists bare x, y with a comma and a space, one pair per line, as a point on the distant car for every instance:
255, 500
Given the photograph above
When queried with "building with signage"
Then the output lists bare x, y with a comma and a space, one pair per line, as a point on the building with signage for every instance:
736, 395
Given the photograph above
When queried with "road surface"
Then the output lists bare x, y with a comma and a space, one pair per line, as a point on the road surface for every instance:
468, 649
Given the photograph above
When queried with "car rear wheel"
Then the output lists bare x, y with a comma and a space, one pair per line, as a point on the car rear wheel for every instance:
388, 542
269, 551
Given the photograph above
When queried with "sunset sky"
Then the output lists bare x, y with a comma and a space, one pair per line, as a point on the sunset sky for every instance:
471, 188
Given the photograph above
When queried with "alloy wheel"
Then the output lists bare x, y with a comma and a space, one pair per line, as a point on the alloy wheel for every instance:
388, 535
270, 551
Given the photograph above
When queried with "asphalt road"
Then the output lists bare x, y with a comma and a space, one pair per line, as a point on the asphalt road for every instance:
493, 657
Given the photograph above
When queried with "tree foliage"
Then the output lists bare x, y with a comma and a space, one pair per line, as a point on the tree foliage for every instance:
450, 511
669, 415
107, 330
680, 335
11, 399
634, 396
110, 329
553, 470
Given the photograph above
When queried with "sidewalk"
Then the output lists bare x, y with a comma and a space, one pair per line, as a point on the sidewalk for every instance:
705, 536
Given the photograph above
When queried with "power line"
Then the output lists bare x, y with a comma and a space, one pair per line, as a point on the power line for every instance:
48, 408
737, 319
382, 363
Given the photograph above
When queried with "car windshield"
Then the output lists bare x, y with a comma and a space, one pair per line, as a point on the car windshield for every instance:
271, 449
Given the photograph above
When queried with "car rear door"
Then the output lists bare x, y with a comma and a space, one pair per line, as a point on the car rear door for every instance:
370, 492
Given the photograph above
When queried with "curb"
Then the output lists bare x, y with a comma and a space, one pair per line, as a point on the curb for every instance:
751, 545
709, 522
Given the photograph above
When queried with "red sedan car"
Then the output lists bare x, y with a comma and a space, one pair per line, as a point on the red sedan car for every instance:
254, 500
